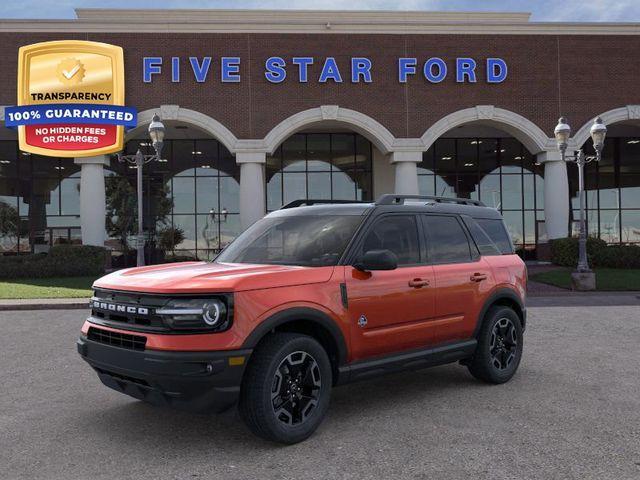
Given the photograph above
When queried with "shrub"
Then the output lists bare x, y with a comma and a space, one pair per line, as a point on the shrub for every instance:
61, 261
564, 252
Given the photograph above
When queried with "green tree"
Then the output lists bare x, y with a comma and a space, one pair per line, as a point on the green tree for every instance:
122, 208
9, 222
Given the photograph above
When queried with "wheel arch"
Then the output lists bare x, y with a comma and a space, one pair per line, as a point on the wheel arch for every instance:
505, 297
307, 321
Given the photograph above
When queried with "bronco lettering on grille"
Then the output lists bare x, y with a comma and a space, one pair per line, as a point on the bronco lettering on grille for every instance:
113, 307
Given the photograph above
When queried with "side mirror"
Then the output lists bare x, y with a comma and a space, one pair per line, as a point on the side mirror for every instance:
377, 260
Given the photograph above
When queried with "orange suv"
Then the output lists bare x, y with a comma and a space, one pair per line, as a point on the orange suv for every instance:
314, 295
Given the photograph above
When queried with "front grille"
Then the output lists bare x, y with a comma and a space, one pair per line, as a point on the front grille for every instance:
116, 339
128, 310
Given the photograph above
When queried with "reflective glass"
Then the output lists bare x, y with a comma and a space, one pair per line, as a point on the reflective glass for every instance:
631, 226
513, 221
610, 226
319, 152
207, 194
184, 195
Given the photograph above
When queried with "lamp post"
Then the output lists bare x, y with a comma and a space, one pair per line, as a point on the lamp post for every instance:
562, 133
156, 133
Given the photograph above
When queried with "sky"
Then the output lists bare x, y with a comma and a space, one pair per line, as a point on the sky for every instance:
542, 10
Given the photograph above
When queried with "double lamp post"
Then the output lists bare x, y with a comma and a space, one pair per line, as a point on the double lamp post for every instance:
156, 133
583, 278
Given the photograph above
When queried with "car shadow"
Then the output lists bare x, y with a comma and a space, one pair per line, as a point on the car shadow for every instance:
138, 425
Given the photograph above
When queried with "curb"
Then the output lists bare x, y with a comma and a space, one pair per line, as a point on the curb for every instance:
6, 307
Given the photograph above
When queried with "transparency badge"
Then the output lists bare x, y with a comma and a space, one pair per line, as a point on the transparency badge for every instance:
70, 99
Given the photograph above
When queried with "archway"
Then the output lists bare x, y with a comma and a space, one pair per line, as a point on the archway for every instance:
612, 186
479, 156
191, 196
325, 153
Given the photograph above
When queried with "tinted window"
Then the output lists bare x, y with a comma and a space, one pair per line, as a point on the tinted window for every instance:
398, 233
496, 231
486, 246
447, 240
306, 240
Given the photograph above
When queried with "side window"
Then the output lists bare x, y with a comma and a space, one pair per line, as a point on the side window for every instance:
447, 241
497, 232
398, 233
486, 246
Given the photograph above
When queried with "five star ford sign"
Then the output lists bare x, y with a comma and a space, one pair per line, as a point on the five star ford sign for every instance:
70, 99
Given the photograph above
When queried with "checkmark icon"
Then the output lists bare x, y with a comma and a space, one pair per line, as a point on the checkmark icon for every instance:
71, 73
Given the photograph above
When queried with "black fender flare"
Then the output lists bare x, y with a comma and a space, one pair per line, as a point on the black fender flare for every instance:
299, 313
495, 297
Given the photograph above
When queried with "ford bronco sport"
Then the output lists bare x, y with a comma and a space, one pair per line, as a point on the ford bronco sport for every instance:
309, 297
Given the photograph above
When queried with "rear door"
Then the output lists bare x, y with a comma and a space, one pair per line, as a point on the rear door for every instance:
462, 277
391, 310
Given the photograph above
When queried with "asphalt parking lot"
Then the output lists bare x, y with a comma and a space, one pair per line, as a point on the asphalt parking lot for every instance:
572, 411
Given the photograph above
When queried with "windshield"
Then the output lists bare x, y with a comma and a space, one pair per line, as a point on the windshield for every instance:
305, 240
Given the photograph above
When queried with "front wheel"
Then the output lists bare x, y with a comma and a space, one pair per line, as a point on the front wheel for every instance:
499, 349
286, 389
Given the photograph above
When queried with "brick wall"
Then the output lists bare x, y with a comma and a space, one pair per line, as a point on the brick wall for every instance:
578, 76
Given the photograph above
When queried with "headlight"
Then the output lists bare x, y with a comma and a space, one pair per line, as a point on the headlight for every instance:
196, 314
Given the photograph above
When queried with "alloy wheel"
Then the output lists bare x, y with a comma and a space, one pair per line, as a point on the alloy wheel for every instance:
504, 343
295, 391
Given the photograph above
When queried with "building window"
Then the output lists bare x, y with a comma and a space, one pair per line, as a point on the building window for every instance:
195, 189
612, 190
500, 172
39, 201
332, 166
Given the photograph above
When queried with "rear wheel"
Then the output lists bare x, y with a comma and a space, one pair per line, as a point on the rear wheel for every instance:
286, 389
499, 349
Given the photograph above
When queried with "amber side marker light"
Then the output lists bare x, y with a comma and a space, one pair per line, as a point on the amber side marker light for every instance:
236, 361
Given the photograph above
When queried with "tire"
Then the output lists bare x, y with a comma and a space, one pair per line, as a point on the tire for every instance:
297, 369
500, 344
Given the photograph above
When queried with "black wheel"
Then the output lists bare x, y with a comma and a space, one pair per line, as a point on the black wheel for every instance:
286, 388
499, 349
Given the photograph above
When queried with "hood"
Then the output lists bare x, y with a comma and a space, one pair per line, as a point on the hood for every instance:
206, 277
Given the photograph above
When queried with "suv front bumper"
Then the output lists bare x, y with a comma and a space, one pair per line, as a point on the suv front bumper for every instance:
192, 381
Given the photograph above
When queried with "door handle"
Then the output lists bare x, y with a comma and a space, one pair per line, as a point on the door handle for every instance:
478, 277
418, 283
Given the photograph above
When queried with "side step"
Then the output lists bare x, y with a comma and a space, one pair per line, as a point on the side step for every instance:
412, 360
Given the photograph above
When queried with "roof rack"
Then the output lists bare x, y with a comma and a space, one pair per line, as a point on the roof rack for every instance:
308, 202
391, 199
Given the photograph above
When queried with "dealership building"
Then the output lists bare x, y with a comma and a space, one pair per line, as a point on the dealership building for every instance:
265, 107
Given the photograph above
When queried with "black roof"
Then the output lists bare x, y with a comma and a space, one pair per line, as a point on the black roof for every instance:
390, 203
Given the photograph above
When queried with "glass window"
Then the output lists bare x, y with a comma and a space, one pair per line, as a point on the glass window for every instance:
485, 245
294, 153
305, 240
397, 233
184, 195
319, 166
318, 152
445, 156
631, 226
496, 231
447, 241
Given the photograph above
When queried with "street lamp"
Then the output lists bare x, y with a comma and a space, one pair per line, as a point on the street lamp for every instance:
598, 132
156, 133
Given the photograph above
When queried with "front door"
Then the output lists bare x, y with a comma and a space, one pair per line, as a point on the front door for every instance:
391, 310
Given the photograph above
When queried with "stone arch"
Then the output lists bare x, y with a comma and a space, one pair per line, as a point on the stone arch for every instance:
629, 112
527, 132
197, 119
374, 131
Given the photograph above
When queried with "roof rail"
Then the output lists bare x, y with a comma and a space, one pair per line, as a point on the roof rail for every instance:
307, 202
392, 199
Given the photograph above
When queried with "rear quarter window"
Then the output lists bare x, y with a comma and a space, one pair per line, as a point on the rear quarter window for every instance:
497, 232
